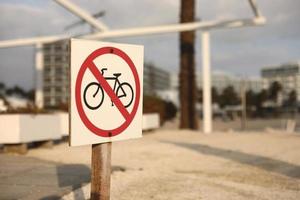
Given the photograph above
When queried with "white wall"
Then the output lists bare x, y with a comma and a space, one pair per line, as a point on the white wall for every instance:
22, 128
150, 121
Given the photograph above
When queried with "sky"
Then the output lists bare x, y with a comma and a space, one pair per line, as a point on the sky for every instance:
241, 52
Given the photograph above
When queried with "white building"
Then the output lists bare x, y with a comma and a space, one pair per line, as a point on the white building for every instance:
287, 74
56, 73
221, 80
155, 79
253, 83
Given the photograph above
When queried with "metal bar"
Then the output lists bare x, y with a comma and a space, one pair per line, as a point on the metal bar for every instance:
82, 14
81, 21
39, 68
254, 8
206, 76
31, 41
212, 25
177, 28
244, 104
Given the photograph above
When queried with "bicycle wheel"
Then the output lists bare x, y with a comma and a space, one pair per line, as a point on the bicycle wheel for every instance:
125, 94
93, 95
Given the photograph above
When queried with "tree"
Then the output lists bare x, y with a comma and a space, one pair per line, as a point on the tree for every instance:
250, 98
2, 86
292, 101
188, 118
228, 97
154, 104
170, 110
200, 95
292, 98
16, 90
2, 89
214, 95
274, 89
261, 97
31, 95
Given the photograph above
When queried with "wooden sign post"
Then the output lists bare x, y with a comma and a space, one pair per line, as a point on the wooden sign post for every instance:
106, 100
101, 171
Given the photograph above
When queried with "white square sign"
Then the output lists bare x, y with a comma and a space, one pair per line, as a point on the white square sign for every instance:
106, 94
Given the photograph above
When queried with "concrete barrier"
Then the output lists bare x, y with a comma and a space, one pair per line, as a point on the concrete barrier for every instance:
64, 123
150, 121
24, 128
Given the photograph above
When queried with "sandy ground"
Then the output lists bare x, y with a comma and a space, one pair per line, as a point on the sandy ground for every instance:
173, 164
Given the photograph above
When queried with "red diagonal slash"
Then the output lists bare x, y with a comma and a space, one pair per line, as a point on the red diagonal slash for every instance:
105, 85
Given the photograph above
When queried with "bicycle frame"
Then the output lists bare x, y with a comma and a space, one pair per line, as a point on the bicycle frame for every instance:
115, 84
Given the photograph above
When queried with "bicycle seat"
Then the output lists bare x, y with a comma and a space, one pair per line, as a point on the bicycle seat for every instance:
117, 74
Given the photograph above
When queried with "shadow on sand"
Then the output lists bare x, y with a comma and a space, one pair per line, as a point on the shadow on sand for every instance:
69, 178
269, 164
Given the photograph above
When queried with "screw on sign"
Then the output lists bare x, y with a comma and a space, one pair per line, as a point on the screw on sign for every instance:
94, 81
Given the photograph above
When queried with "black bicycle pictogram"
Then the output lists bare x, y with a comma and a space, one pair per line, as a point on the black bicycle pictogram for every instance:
94, 90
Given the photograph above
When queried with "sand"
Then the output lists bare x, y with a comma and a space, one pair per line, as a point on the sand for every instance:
182, 164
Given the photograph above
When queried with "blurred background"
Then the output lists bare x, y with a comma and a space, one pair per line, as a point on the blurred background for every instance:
261, 61
237, 72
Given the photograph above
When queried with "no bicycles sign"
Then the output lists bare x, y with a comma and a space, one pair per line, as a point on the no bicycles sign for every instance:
106, 92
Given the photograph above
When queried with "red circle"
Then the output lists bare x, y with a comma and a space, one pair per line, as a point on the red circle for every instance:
83, 68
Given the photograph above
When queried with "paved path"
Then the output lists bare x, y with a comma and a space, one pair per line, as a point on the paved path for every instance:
30, 178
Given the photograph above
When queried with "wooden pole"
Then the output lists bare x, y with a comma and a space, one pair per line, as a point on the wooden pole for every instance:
187, 77
101, 170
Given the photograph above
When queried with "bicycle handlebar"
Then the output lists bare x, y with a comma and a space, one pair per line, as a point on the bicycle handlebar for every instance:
102, 70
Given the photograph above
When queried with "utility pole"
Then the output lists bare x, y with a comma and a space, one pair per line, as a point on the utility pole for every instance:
188, 98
